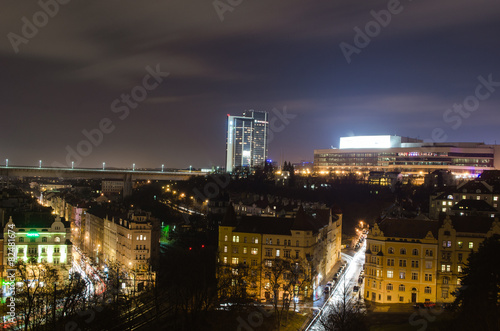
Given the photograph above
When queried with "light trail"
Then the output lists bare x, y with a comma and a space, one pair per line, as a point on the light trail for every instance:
343, 286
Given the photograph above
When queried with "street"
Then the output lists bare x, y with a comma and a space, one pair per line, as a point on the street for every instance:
343, 286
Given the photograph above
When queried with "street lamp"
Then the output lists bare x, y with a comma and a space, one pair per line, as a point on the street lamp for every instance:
6, 162
40, 163
104, 166
133, 167
190, 167
162, 167
72, 165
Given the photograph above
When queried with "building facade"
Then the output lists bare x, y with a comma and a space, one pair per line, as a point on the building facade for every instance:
256, 243
409, 261
42, 239
406, 155
401, 259
473, 197
246, 140
458, 237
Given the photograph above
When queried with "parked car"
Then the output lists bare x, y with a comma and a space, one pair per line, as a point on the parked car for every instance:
418, 305
429, 304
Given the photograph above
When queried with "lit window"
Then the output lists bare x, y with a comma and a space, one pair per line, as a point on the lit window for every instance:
277, 253
57, 239
402, 275
244, 250
390, 274
444, 203
234, 260
459, 268
471, 245
225, 259
225, 237
225, 249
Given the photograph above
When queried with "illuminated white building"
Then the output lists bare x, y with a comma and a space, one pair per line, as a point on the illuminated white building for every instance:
41, 238
406, 155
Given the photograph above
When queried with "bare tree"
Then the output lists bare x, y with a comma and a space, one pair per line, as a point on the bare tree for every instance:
344, 314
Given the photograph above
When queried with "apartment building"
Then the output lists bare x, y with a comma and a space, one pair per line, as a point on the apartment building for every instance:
472, 198
401, 259
410, 260
458, 237
312, 240
39, 236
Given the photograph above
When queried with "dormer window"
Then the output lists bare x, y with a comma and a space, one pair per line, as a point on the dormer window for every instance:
57, 239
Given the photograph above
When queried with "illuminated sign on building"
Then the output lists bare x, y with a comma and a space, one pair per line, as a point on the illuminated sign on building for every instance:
370, 142
32, 234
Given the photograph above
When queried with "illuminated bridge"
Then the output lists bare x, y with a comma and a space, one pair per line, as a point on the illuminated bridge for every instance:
90, 173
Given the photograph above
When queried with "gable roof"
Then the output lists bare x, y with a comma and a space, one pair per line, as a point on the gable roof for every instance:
408, 228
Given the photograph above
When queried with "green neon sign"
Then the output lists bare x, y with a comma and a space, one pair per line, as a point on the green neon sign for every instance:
33, 235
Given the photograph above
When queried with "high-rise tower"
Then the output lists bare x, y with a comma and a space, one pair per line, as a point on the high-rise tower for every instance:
246, 140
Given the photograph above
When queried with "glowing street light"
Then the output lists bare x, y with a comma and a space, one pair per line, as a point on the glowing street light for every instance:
104, 166
72, 164
190, 168
133, 167
40, 164
6, 162
162, 167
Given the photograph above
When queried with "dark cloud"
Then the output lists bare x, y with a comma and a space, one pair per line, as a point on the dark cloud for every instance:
263, 55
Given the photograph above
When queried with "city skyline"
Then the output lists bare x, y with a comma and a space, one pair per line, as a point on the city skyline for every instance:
423, 70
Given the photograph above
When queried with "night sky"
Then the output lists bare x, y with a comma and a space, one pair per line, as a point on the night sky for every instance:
70, 75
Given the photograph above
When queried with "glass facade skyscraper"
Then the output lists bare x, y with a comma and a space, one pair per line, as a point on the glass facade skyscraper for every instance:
246, 140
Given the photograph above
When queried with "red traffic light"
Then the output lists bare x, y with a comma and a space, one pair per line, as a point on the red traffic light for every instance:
190, 248
202, 246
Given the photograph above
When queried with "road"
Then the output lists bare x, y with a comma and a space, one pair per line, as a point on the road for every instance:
344, 285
